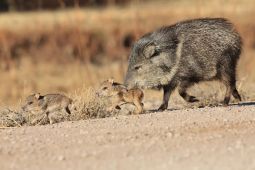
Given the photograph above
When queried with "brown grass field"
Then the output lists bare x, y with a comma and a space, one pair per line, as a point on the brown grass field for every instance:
67, 50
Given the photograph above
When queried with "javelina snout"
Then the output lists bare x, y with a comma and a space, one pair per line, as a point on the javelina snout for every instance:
119, 94
186, 53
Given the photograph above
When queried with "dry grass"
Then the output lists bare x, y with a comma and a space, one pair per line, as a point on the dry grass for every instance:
51, 78
52, 67
11, 118
87, 105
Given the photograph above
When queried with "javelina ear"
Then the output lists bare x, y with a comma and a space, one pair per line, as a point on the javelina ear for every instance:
149, 50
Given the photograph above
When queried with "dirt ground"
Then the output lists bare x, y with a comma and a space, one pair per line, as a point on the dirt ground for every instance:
202, 138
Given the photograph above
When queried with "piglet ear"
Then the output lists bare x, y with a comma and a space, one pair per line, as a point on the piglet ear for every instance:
111, 80
37, 95
149, 50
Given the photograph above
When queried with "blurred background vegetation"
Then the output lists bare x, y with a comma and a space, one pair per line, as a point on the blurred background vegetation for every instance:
62, 45
31, 5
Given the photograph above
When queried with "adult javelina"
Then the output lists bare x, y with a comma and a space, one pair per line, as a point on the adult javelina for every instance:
186, 53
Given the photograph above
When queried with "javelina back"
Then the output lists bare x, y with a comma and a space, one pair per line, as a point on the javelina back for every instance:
186, 53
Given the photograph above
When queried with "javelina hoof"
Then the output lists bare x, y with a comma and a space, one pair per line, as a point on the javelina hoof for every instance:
193, 99
226, 101
163, 107
117, 107
225, 104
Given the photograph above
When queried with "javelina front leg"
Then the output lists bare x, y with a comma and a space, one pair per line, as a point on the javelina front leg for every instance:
167, 92
227, 95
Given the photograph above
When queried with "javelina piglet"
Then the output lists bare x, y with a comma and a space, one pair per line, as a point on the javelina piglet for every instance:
119, 94
49, 104
186, 53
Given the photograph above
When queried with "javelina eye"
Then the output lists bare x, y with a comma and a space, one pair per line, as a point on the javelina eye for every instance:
104, 88
137, 67
156, 53
29, 103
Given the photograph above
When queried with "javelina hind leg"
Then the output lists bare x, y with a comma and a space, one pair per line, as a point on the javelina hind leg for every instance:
229, 80
230, 90
167, 92
68, 110
183, 92
236, 95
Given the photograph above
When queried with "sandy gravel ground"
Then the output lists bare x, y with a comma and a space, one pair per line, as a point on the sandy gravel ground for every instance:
199, 139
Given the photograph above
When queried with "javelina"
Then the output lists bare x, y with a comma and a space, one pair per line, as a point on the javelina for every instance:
49, 104
118, 94
186, 53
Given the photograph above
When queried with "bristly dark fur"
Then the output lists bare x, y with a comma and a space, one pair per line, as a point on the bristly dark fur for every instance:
185, 53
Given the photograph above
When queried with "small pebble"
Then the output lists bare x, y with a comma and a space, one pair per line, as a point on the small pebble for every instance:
61, 158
